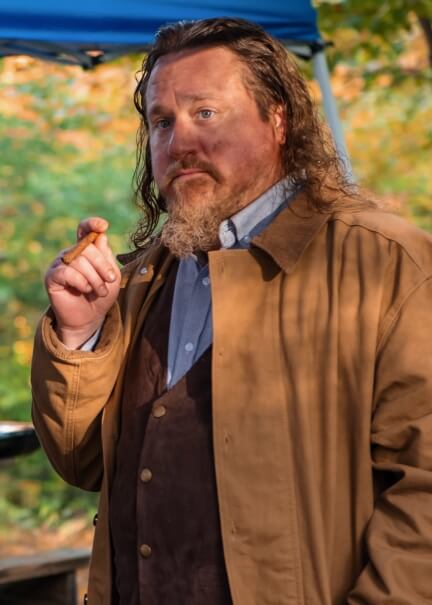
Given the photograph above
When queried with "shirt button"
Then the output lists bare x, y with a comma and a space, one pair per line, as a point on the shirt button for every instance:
189, 347
145, 551
146, 475
143, 270
159, 411
228, 239
205, 281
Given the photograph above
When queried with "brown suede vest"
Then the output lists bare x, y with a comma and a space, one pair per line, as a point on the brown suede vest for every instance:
164, 514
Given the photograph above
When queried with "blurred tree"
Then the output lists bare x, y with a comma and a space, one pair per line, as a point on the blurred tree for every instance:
67, 148
426, 25
379, 25
381, 78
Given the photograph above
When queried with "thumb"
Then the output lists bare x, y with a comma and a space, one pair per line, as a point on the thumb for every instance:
93, 223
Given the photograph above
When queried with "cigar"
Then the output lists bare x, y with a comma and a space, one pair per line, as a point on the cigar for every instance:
76, 250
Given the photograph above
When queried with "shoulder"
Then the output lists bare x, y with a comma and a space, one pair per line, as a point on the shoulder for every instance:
390, 231
142, 265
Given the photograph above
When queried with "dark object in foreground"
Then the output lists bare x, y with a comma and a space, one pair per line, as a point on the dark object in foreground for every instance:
17, 438
47, 578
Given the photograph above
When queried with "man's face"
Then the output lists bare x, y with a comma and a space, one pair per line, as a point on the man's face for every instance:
212, 154
208, 142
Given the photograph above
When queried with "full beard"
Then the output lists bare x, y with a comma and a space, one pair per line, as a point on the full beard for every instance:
193, 224
184, 234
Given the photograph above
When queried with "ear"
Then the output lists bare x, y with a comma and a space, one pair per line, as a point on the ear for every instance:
278, 118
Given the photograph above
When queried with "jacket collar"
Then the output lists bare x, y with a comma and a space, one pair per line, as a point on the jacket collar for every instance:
290, 233
285, 239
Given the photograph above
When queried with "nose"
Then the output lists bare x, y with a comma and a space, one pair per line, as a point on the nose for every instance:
183, 139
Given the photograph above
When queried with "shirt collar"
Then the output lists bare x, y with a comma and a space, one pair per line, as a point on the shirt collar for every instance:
238, 230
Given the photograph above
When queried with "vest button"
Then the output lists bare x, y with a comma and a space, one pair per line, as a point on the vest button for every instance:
146, 475
85, 600
95, 519
159, 411
145, 551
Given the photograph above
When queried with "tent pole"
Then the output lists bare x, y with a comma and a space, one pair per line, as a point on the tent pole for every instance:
322, 75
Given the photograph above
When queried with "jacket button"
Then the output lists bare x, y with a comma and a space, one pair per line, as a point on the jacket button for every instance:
146, 475
95, 519
159, 411
145, 551
85, 600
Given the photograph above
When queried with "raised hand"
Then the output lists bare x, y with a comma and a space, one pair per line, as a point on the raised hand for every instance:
82, 291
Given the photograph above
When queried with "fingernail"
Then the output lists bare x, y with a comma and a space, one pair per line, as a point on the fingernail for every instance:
103, 291
111, 276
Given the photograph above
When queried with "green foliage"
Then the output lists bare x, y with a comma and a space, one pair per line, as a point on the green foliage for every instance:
59, 163
382, 80
32, 494
385, 19
371, 36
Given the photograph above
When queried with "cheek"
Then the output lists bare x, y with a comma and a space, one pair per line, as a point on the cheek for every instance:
158, 160
228, 150
245, 139
237, 153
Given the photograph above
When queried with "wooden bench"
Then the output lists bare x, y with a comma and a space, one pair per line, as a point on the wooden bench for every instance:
47, 578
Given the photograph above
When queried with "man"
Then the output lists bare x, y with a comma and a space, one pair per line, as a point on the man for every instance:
252, 395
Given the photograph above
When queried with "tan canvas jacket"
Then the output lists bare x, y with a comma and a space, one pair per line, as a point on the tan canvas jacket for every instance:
322, 409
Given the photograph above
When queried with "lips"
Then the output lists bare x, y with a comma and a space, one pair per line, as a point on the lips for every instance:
185, 170
188, 172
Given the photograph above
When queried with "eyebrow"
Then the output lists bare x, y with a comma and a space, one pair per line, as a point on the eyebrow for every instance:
155, 110
160, 109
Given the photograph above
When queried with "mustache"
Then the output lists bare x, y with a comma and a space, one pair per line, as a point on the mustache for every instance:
190, 164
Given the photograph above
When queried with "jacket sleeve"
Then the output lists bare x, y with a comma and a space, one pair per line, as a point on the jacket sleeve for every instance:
399, 536
70, 390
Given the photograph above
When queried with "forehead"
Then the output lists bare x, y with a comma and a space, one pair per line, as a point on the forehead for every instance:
196, 72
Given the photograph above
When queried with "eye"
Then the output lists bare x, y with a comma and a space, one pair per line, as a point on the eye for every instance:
206, 114
162, 124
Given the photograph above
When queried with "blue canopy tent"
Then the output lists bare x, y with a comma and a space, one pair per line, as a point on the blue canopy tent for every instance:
89, 32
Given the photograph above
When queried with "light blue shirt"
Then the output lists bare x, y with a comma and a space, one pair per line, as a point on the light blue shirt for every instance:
191, 331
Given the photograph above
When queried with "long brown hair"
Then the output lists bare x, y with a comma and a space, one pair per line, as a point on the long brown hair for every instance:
308, 155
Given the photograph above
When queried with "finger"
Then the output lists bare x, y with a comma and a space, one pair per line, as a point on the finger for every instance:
92, 223
62, 277
88, 271
103, 246
101, 258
